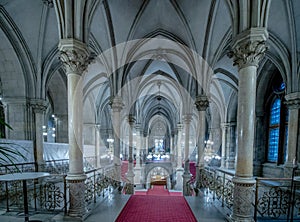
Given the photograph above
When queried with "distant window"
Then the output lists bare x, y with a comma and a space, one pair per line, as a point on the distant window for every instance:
278, 128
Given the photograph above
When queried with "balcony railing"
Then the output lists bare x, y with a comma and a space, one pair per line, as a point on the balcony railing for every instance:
51, 194
273, 198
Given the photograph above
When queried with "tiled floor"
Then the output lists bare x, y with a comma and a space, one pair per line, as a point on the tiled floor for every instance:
108, 209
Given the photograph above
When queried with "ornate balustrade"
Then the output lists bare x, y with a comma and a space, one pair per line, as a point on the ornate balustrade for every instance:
273, 198
51, 193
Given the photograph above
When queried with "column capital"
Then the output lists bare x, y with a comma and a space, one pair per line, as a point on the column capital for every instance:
74, 55
293, 100
179, 126
138, 127
187, 118
249, 47
201, 103
38, 105
98, 126
117, 104
131, 120
225, 125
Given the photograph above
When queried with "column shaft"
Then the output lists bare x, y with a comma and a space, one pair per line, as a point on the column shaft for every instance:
117, 106
39, 107
248, 49
74, 55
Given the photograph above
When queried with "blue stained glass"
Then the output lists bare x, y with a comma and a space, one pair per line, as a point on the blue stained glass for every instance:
282, 86
273, 145
275, 112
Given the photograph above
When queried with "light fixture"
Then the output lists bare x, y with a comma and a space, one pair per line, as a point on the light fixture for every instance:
110, 140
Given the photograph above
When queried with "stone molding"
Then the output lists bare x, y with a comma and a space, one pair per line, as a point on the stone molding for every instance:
249, 47
293, 100
201, 103
76, 178
74, 55
38, 105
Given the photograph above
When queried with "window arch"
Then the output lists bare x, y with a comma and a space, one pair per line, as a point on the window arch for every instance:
278, 127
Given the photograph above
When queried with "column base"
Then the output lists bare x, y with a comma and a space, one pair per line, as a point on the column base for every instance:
76, 184
186, 189
243, 197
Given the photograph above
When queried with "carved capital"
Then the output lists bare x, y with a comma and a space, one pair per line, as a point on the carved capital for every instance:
131, 120
38, 105
201, 103
74, 55
117, 104
249, 47
179, 126
48, 3
293, 100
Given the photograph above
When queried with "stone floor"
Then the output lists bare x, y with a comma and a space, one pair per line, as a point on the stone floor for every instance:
108, 209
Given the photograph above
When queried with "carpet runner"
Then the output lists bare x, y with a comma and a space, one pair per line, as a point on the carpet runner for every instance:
158, 190
150, 208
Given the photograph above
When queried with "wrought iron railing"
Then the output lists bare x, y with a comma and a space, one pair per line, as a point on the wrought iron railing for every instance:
273, 198
98, 181
48, 194
51, 193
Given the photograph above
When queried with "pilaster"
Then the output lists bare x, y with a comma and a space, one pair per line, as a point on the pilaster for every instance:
293, 104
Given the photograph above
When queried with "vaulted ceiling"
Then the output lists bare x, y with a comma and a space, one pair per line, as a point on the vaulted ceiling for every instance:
162, 52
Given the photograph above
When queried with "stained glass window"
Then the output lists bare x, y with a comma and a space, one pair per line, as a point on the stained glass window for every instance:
278, 132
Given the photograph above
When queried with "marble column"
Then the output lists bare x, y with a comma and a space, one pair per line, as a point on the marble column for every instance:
137, 169
130, 175
201, 105
179, 146
146, 139
39, 107
172, 151
97, 146
248, 49
74, 55
117, 106
138, 145
186, 174
293, 104
225, 127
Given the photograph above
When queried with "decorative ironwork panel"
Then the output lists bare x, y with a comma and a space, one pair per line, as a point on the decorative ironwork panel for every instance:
51, 197
274, 202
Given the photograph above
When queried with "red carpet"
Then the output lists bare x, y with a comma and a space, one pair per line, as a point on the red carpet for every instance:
156, 209
158, 190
